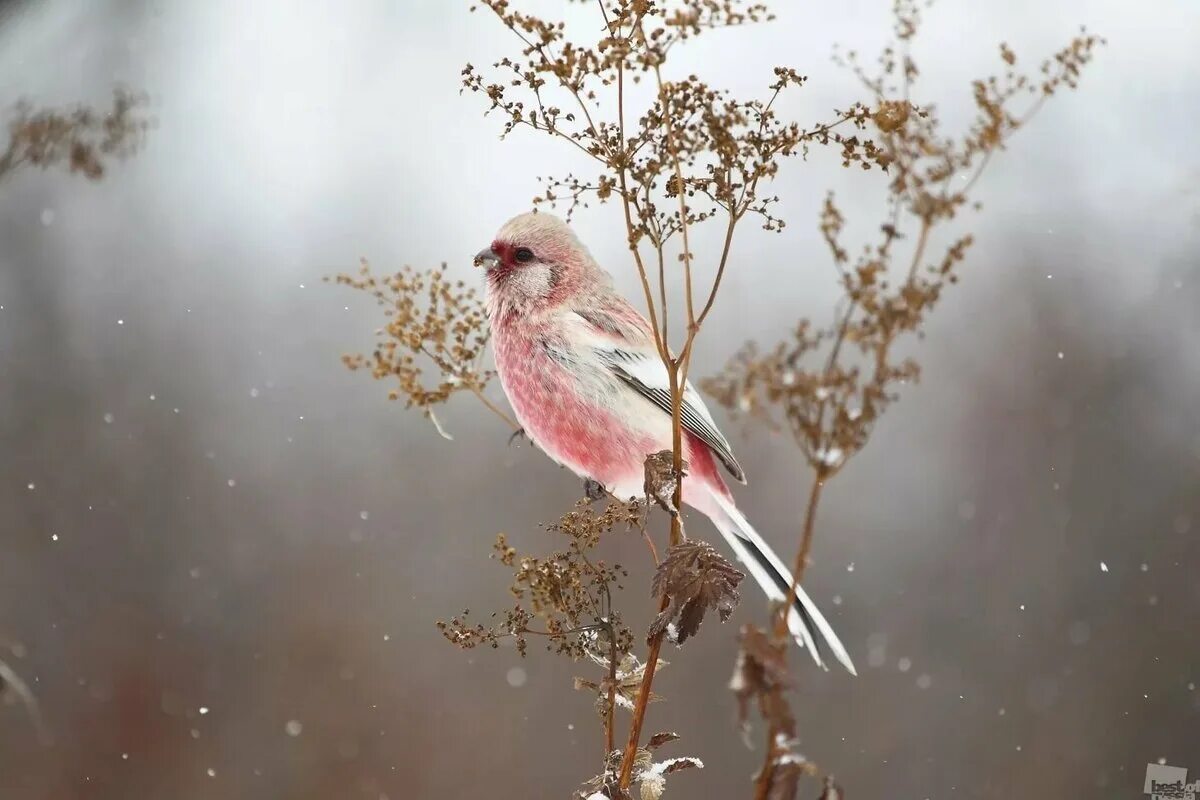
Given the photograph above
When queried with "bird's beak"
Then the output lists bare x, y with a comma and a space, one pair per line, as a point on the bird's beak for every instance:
486, 258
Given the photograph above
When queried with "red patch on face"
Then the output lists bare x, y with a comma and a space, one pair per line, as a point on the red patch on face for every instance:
506, 264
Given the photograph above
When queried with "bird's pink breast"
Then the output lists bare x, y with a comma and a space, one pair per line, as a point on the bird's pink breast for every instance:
586, 436
571, 429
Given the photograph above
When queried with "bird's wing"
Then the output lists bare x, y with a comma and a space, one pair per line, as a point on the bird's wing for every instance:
621, 339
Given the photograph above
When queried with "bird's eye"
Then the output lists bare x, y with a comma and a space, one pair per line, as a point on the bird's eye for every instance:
523, 254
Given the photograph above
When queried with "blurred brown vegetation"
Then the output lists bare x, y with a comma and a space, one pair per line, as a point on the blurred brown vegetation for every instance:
81, 139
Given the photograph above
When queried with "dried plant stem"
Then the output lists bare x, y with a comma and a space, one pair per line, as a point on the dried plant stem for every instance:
806, 538
683, 210
610, 711
639, 708
919, 251
659, 339
9, 161
495, 409
677, 370
766, 775
674, 370
643, 698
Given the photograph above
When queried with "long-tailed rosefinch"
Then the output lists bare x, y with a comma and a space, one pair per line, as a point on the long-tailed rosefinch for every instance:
583, 374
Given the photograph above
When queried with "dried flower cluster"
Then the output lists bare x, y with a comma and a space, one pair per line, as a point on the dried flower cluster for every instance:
830, 399
831, 385
569, 591
686, 154
81, 138
434, 324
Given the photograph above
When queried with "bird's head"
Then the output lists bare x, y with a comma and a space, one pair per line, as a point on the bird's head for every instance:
535, 261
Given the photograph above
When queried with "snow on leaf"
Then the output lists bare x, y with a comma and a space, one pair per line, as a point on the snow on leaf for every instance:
630, 672
650, 775
695, 578
652, 787
674, 765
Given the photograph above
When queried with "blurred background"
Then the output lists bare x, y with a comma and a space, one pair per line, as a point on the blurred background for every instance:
223, 553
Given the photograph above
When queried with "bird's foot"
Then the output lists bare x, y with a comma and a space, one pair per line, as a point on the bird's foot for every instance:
593, 490
519, 433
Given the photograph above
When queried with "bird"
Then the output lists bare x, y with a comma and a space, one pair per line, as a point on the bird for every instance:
583, 374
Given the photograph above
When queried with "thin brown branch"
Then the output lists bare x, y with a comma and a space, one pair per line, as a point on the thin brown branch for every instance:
631, 231
499, 412
610, 710
919, 250
806, 538
639, 708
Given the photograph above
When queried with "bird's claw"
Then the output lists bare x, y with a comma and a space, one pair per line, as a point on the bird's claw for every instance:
519, 433
593, 490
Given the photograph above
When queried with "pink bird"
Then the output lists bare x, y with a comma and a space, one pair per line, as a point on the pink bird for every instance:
581, 370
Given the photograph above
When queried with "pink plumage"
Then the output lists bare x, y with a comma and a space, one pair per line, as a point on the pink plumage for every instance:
582, 373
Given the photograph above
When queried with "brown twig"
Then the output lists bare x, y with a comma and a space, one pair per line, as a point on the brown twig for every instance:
639, 708
492, 407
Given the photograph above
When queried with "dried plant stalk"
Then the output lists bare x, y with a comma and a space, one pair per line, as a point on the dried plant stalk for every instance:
691, 155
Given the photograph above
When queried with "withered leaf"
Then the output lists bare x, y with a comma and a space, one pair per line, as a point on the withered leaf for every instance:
659, 739
760, 674
661, 479
630, 673
695, 578
651, 776
676, 764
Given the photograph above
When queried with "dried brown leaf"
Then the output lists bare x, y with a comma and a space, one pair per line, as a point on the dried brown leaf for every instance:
659, 739
661, 479
695, 579
760, 674
630, 673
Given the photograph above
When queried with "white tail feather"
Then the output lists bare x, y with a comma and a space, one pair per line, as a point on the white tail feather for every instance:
775, 579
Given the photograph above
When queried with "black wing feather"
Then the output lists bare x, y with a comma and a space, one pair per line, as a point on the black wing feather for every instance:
692, 421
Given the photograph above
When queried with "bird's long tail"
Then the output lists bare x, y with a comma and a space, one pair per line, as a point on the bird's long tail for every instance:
805, 620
